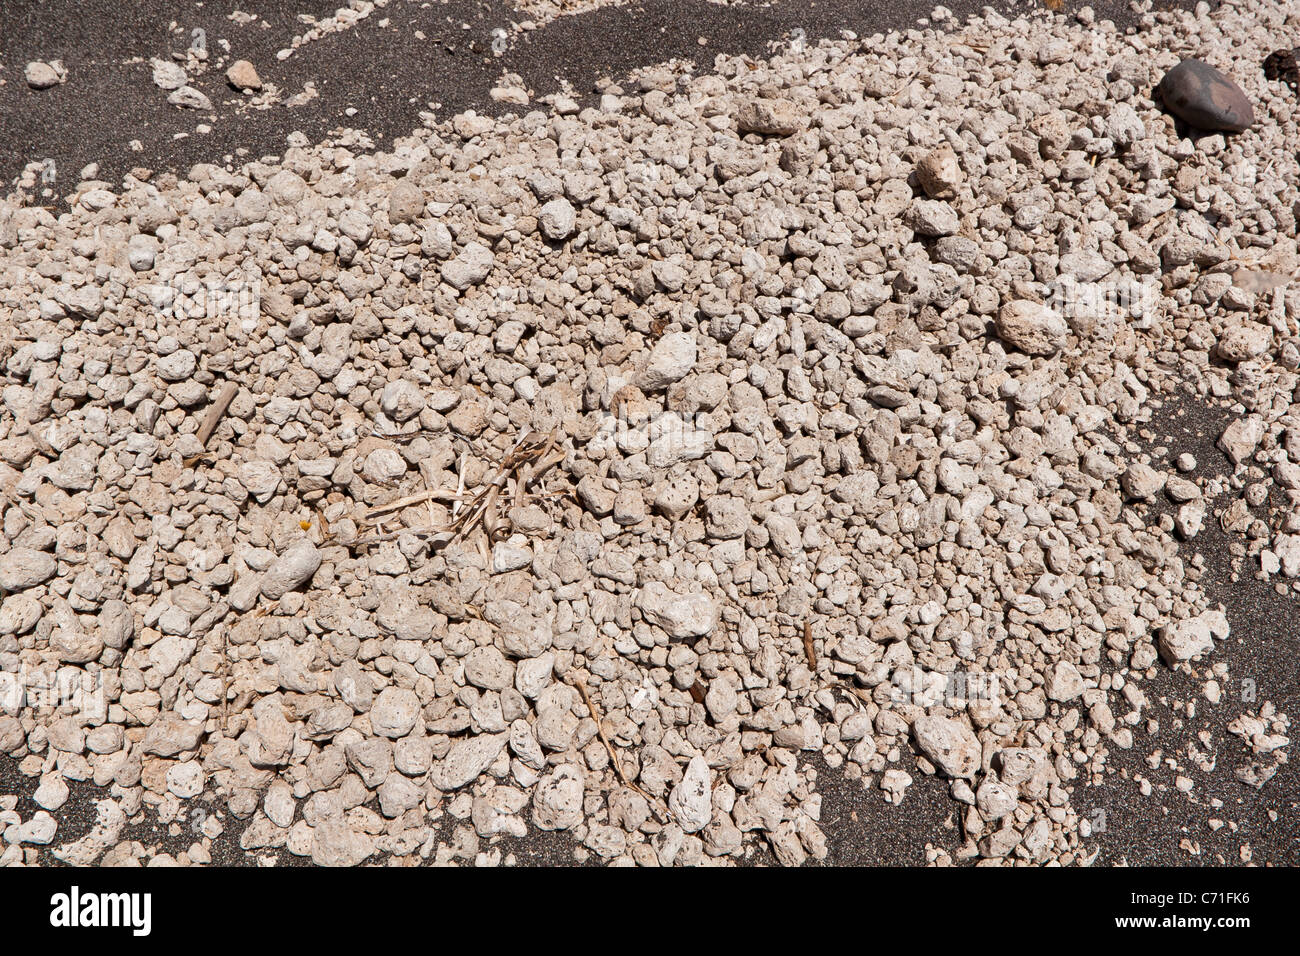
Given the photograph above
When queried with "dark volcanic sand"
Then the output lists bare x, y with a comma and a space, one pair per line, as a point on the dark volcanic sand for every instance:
387, 74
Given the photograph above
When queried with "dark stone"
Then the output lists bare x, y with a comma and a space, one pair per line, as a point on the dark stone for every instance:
1203, 97
1281, 65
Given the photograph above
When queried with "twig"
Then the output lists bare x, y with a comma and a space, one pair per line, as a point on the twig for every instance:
433, 494
808, 648
394, 535
225, 679
428, 485
493, 523
218, 409
613, 754
528, 457
460, 485
398, 437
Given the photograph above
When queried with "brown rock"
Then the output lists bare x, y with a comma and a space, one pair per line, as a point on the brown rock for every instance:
1200, 95
242, 75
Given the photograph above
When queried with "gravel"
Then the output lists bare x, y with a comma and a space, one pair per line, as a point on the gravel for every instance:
829, 483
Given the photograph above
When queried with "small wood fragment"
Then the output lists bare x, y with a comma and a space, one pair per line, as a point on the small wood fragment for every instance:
225, 680
433, 494
808, 647
215, 413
